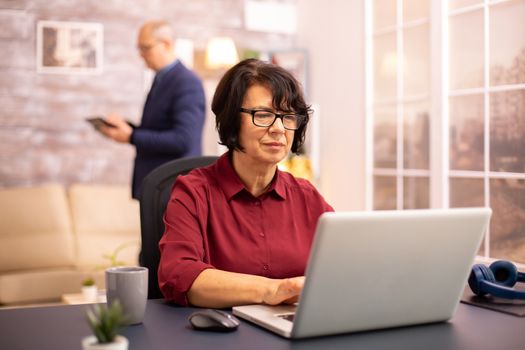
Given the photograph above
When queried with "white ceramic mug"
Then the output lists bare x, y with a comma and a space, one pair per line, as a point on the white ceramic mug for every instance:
130, 286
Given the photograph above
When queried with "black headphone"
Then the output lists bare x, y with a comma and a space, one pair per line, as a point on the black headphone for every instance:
496, 280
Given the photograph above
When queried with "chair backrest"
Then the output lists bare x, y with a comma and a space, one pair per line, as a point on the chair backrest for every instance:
155, 193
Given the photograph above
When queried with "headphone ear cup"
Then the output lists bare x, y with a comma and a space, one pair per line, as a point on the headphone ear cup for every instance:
504, 272
478, 274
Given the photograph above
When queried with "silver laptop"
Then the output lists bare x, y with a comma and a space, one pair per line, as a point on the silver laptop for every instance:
380, 269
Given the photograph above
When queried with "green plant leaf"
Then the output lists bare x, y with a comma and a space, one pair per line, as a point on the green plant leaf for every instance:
105, 322
89, 281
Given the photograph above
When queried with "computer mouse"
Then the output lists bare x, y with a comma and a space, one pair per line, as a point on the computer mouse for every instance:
213, 320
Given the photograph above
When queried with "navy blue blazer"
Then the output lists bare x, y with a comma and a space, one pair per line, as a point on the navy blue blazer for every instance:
171, 125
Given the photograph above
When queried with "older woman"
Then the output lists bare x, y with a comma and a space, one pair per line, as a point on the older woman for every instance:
240, 231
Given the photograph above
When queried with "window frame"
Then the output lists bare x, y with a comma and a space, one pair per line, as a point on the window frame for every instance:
439, 172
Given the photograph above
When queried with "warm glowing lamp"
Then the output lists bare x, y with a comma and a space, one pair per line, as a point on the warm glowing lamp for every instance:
221, 53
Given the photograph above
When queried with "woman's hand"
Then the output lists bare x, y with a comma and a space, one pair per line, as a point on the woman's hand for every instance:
285, 291
219, 289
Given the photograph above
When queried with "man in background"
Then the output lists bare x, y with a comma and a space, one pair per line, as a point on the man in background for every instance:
173, 115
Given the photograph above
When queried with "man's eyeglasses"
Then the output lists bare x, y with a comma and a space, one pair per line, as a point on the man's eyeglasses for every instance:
265, 119
146, 48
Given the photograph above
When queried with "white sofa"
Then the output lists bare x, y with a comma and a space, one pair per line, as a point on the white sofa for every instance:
51, 238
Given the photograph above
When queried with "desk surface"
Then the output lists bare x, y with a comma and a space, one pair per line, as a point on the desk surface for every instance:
166, 327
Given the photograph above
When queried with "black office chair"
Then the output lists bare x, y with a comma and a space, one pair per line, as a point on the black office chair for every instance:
155, 193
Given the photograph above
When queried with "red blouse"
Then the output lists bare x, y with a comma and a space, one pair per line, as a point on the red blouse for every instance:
212, 221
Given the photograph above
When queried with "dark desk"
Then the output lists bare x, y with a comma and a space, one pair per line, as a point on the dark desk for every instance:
166, 327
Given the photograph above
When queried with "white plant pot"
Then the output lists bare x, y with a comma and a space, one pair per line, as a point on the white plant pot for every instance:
91, 343
89, 293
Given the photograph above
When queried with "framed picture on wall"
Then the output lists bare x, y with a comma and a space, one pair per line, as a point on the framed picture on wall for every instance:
69, 47
295, 61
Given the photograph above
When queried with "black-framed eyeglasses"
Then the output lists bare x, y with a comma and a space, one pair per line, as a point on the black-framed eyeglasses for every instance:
265, 119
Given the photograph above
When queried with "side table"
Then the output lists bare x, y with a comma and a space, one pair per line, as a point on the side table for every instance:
78, 298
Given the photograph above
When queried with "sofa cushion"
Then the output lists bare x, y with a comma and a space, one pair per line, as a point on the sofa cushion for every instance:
43, 285
105, 219
35, 228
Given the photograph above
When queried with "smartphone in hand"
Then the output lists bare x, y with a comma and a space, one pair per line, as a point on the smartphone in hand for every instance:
98, 121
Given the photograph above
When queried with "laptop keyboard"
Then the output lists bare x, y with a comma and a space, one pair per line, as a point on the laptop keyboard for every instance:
288, 317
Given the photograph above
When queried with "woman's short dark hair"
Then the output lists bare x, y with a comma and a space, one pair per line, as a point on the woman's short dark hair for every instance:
287, 96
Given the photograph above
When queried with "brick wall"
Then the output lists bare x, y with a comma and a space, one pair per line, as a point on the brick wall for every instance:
43, 135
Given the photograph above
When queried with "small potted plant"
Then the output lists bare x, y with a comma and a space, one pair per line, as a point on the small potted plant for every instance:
105, 322
113, 258
89, 289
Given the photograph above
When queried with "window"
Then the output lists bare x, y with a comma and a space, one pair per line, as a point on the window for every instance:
477, 153
400, 107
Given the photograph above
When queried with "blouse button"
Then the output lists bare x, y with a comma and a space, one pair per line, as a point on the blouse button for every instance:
265, 267
261, 234
257, 203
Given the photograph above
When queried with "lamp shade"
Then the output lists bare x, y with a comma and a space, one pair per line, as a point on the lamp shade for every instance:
221, 52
